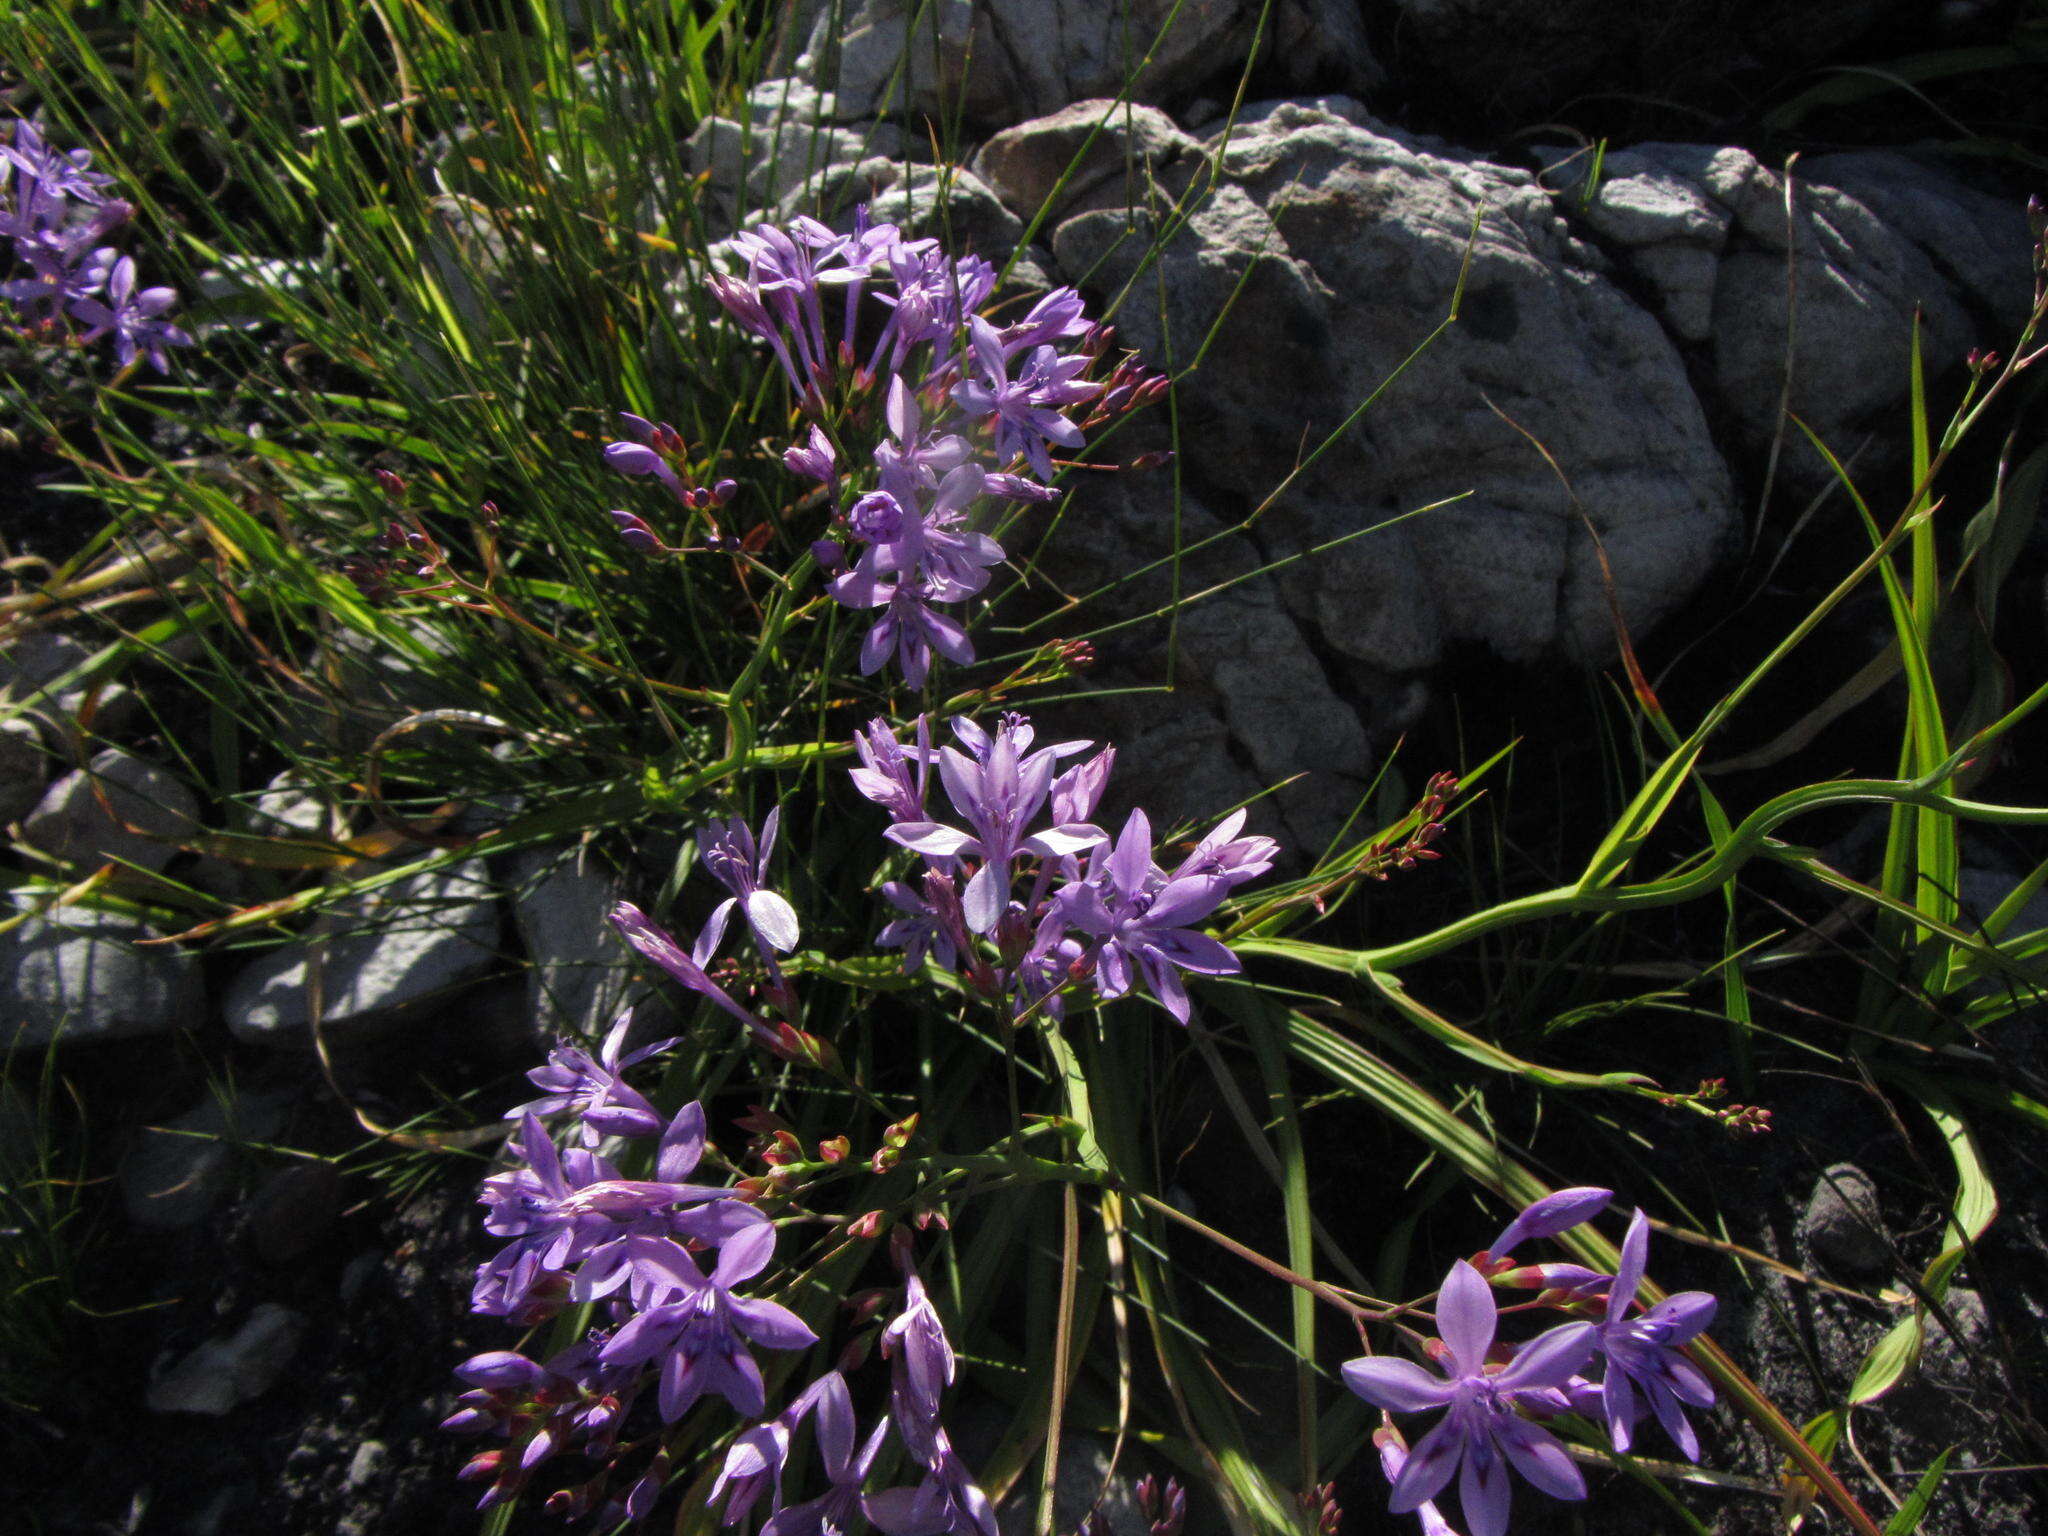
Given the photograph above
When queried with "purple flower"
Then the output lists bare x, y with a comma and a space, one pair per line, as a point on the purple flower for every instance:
752, 1467
1557, 1212
997, 790
816, 460
54, 173
931, 924
1138, 920
911, 629
564, 1208
700, 1340
1024, 410
133, 318
1643, 1353
846, 1467
891, 777
728, 851
947, 1503
921, 1359
934, 292
640, 931
65, 263
1393, 1451
1228, 857
573, 1080
1481, 1436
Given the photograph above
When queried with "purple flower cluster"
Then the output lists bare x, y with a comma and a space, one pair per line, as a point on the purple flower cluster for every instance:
1022, 870
1492, 1395
945, 1501
576, 1230
56, 212
971, 412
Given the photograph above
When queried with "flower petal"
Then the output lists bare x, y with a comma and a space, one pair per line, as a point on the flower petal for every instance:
774, 919
1540, 1457
1399, 1386
1466, 1317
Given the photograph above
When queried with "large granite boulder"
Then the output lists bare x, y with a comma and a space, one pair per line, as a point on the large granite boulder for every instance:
1554, 424
1803, 286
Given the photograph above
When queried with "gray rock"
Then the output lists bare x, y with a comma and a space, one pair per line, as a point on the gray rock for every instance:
1108, 153
753, 164
23, 768
288, 806
386, 952
231, 1369
1823, 279
150, 812
1087, 1482
1325, 256
577, 976
31, 670
33, 661
78, 976
367, 1464
1001, 61
1842, 1224
952, 203
176, 1174
790, 99
293, 1210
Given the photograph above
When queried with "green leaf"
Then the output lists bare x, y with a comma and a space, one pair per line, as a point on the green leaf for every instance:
1914, 1510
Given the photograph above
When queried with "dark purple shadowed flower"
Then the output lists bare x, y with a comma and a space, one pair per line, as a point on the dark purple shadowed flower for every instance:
134, 318
1557, 1212
1644, 1353
1138, 921
728, 851
921, 1360
932, 922
572, 1080
700, 1339
947, 1503
1481, 1436
845, 1464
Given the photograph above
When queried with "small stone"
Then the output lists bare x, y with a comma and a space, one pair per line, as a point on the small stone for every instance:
79, 976
356, 1276
33, 661
951, 202
577, 975
176, 1174
23, 768
293, 1210
1113, 140
367, 1463
233, 1369
152, 812
394, 947
1842, 1225
288, 806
